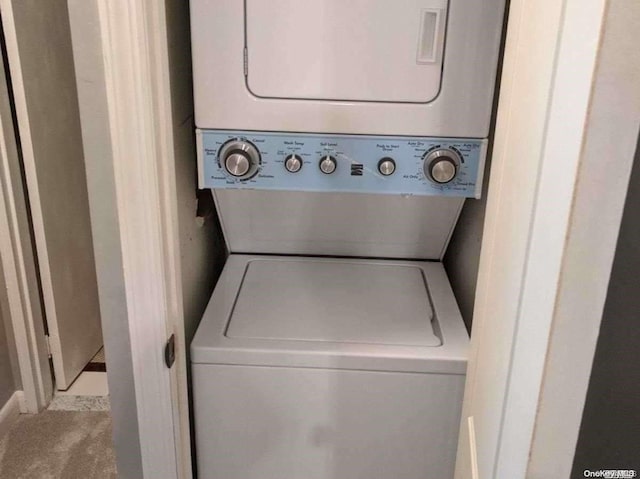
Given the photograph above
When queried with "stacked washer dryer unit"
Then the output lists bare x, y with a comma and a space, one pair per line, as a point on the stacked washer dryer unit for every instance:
340, 139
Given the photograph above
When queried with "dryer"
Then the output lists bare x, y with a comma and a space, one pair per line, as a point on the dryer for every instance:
372, 67
340, 140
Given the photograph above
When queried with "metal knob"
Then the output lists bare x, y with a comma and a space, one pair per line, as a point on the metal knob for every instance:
441, 166
237, 163
293, 163
387, 166
240, 159
328, 164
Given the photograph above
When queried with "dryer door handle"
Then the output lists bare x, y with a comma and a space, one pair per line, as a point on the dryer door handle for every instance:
430, 38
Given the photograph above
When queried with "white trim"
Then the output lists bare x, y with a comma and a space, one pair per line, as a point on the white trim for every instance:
137, 82
22, 403
164, 131
578, 47
14, 279
547, 79
10, 411
611, 136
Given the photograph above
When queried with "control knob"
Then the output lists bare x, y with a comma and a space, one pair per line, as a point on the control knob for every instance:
240, 159
328, 164
293, 163
441, 166
387, 166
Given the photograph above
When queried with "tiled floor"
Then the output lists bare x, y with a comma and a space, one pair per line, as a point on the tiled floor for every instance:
88, 384
89, 392
99, 357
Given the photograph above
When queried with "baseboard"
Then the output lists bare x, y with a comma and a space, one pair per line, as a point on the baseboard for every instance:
10, 411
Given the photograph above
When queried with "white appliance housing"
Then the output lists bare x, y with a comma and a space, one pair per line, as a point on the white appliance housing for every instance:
323, 368
350, 129
376, 67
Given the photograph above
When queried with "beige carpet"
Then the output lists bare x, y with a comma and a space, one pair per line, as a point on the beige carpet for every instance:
58, 445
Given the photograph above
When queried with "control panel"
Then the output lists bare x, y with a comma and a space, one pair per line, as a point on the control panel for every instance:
342, 163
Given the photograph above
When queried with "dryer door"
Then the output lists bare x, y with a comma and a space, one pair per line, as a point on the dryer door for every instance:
356, 50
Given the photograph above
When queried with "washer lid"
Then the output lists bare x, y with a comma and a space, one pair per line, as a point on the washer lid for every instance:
333, 301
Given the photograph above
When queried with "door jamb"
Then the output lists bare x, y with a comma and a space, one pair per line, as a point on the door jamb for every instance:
532, 274
135, 52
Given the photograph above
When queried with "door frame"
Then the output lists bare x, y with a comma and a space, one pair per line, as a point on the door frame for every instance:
152, 435
136, 78
138, 98
569, 86
18, 263
58, 297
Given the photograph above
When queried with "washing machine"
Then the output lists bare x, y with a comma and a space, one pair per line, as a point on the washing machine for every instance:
340, 141
325, 368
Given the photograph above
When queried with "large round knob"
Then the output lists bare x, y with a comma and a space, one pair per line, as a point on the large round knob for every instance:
441, 166
328, 164
240, 158
293, 163
237, 163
